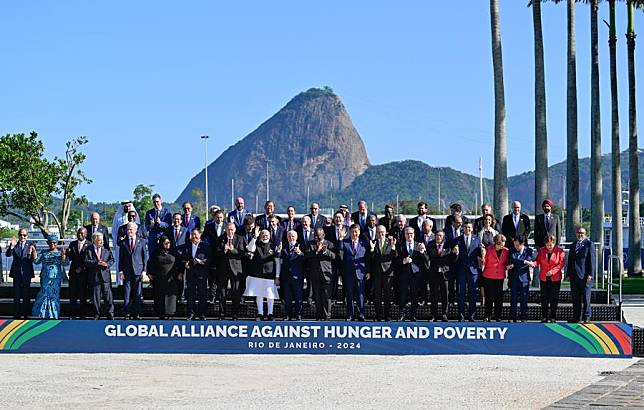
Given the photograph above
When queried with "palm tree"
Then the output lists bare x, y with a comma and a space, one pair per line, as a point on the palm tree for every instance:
634, 234
540, 124
500, 149
596, 190
616, 168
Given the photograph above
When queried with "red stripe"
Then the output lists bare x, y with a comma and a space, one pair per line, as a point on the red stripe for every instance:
622, 338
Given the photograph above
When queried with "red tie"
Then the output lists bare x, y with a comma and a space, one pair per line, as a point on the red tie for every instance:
187, 220
132, 245
176, 235
440, 250
230, 242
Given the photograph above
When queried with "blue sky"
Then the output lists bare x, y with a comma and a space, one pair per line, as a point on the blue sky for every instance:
144, 79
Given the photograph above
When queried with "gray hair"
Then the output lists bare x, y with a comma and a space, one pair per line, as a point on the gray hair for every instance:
96, 235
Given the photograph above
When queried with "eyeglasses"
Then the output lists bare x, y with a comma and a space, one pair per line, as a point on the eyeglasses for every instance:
23, 234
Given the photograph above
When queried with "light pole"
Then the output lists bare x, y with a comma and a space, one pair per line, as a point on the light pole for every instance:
205, 167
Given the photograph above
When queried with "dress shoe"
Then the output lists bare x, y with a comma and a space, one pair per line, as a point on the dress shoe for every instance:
544, 320
461, 318
299, 317
552, 320
110, 317
361, 318
586, 321
487, 319
137, 317
402, 318
444, 318
269, 318
235, 317
126, 317
573, 321
96, 317
190, 317
259, 318
413, 319
349, 319
202, 317
471, 319
387, 318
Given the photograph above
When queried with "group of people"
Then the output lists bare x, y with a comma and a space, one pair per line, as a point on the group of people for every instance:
379, 260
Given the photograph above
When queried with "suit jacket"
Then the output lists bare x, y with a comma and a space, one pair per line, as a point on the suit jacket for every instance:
320, 221
96, 274
478, 225
165, 216
193, 222
419, 259
387, 222
300, 237
508, 229
581, 263
421, 238
355, 218
440, 265
102, 229
237, 217
354, 263
554, 265
204, 253
541, 231
285, 222
262, 221
467, 261
211, 231
366, 235
520, 271
450, 238
449, 220
413, 222
177, 242
380, 262
398, 233
277, 236
132, 261
292, 264
493, 265
229, 262
320, 263
77, 257
264, 257
22, 265
122, 232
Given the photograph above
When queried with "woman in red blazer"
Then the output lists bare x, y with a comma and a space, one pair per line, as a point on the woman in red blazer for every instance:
550, 261
495, 267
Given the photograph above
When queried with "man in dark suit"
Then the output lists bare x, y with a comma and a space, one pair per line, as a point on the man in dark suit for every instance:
452, 232
197, 259
360, 216
229, 252
369, 232
456, 210
276, 232
237, 215
212, 230
398, 231
580, 270
291, 277
441, 259
546, 224
317, 220
98, 260
133, 255
75, 253
188, 220
23, 253
157, 221
380, 265
388, 221
426, 236
354, 272
97, 226
486, 209
122, 231
178, 236
467, 268
412, 257
336, 234
289, 223
305, 238
515, 225
263, 220
417, 221
319, 257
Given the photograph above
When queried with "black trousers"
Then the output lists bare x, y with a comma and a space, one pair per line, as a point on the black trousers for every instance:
408, 290
322, 290
102, 291
212, 284
493, 298
78, 293
21, 296
291, 291
549, 298
158, 296
438, 290
223, 278
452, 290
197, 289
580, 290
382, 294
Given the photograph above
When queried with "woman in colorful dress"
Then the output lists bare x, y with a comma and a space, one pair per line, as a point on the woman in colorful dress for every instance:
47, 303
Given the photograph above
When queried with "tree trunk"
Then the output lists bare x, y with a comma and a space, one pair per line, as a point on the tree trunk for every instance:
634, 233
572, 151
616, 167
540, 125
500, 149
596, 189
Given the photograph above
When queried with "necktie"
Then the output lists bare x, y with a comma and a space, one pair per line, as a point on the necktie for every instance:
426, 239
187, 220
315, 218
467, 242
306, 236
176, 235
355, 247
440, 250
80, 247
98, 253
578, 246
132, 245
410, 249
382, 246
547, 222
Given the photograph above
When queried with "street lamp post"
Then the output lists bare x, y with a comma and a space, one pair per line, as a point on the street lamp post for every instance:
205, 167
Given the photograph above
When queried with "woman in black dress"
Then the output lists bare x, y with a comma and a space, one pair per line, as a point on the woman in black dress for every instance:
165, 277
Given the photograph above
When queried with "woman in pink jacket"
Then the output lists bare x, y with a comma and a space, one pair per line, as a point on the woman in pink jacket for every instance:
495, 267
550, 261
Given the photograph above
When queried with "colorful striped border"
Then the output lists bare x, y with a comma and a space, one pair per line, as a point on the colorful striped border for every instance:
14, 333
597, 339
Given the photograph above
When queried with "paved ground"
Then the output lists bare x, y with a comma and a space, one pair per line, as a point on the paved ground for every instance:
189, 381
622, 389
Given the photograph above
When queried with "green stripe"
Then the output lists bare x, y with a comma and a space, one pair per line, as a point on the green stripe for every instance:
569, 334
19, 332
38, 330
590, 336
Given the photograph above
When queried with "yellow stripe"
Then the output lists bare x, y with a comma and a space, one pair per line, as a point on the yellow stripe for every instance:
612, 349
6, 333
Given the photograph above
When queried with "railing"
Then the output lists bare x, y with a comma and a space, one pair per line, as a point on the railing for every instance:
620, 264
